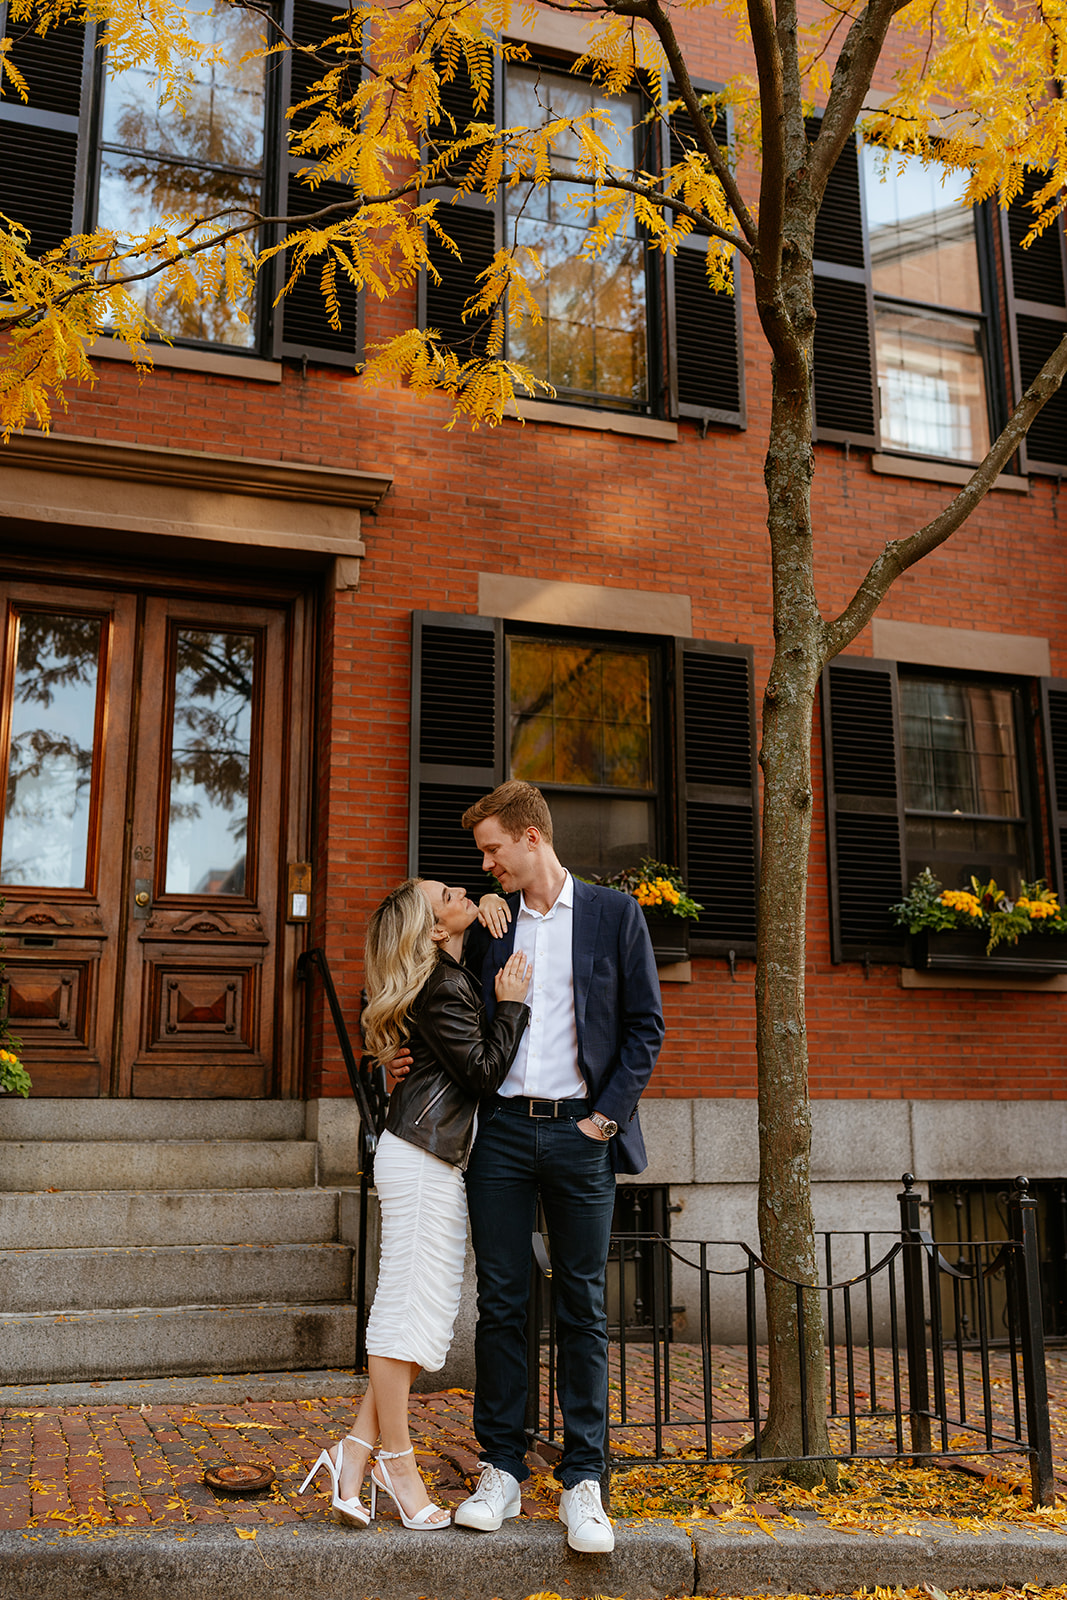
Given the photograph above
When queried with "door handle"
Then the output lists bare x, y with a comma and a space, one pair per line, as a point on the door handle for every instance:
142, 897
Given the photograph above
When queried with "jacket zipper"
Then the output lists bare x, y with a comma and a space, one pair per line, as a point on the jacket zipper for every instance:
428, 1108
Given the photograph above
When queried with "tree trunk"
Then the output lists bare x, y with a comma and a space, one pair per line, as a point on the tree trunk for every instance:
796, 1422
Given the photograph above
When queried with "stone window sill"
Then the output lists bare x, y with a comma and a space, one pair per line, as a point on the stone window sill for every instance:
940, 472
912, 979
598, 421
219, 363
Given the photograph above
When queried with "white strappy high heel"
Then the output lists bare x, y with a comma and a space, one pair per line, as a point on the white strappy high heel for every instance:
353, 1511
421, 1520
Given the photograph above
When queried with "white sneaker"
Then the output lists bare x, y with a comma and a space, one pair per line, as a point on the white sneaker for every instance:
497, 1496
585, 1519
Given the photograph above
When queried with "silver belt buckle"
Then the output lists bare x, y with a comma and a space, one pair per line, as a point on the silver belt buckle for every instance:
541, 1115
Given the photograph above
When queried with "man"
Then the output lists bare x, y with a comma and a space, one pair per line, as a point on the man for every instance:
563, 1123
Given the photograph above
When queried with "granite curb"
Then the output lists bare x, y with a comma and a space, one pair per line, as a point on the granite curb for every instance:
651, 1560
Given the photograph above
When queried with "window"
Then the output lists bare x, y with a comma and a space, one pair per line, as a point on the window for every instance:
925, 769
581, 729
907, 354
591, 344
81, 153
153, 161
928, 325
641, 747
628, 330
963, 790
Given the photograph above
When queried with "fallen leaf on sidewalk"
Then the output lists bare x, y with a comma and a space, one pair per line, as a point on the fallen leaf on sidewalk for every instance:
245, 1533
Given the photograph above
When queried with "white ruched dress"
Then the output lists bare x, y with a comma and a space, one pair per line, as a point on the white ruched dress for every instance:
420, 1274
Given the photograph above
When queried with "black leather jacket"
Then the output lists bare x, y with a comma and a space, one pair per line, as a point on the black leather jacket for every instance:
458, 1059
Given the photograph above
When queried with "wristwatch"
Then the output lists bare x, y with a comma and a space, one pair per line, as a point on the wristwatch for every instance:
608, 1128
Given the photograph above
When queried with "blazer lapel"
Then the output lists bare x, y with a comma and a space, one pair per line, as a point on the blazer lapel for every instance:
583, 944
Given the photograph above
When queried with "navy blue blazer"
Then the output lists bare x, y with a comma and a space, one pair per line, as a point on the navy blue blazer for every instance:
617, 1007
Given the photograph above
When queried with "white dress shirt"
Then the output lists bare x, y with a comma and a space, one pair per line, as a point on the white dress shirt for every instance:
546, 1064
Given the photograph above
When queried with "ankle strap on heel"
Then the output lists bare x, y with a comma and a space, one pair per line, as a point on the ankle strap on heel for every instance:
394, 1455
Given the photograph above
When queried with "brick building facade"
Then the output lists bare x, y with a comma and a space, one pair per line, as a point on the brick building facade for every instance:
263, 494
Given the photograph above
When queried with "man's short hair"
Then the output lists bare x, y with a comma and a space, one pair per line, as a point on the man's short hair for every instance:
516, 806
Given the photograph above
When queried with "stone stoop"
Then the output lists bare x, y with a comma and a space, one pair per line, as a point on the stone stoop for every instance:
169, 1237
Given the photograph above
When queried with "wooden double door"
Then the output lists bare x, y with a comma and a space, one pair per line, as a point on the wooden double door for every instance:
155, 748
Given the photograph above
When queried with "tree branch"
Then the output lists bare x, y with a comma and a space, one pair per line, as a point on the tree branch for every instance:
652, 12
848, 87
92, 285
901, 554
765, 46
701, 222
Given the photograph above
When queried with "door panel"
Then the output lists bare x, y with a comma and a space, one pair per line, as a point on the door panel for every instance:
67, 685
206, 837
146, 821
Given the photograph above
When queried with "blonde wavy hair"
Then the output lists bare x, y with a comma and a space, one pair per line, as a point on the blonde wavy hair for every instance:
400, 955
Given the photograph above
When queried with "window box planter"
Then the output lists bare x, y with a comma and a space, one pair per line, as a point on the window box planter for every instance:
1035, 956
670, 937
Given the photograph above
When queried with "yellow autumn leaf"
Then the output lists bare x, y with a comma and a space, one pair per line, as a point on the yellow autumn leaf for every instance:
245, 1533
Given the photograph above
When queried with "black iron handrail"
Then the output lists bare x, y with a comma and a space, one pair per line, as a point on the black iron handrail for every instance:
367, 1080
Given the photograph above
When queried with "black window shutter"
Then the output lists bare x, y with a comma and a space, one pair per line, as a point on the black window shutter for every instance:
39, 165
864, 807
1054, 724
1037, 303
468, 220
456, 719
302, 324
705, 333
717, 793
845, 403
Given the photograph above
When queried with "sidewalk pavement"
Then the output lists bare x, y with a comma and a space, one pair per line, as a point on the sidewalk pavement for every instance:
102, 1493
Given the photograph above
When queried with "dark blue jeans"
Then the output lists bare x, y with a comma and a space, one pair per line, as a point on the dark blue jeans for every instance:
516, 1161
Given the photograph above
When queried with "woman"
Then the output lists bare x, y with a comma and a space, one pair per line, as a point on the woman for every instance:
420, 997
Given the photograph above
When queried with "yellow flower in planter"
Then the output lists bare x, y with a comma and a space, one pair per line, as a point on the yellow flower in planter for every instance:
14, 1079
961, 900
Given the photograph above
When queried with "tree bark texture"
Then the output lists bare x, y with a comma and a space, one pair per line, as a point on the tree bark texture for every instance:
796, 1425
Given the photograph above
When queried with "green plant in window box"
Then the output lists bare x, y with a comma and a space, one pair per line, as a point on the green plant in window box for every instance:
985, 908
656, 887
14, 1079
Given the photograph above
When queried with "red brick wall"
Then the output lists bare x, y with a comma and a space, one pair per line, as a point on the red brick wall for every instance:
568, 504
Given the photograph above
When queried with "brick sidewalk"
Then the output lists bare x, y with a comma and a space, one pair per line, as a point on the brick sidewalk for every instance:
83, 1467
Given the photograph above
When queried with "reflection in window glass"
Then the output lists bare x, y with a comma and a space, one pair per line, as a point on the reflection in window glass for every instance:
155, 162
924, 249
211, 748
961, 761
923, 243
592, 340
931, 384
49, 778
580, 714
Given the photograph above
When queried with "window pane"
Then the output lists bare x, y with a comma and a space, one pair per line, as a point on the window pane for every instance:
210, 762
592, 341
49, 779
223, 120
959, 748
923, 243
595, 836
580, 714
959, 848
931, 383
134, 193
216, 151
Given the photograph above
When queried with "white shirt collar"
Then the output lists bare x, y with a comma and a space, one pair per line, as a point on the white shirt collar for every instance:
564, 898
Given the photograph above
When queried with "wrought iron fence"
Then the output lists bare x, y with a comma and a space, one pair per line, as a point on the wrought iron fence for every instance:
902, 1381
